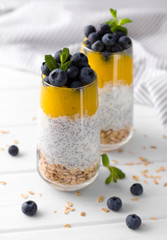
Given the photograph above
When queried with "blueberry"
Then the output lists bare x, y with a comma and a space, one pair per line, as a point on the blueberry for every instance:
125, 42
58, 77
119, 33
136, 189
45, 70
103, 29
79, 59
114, 203
72, 71
29, 208
89, 29
13, 150
75, 84
133, 221
97, 46
93, 37
57, 57
116, 48
46, 79
87, 75
88, 44
109, 39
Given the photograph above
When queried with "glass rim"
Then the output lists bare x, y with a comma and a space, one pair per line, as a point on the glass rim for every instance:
109, 54
69, 89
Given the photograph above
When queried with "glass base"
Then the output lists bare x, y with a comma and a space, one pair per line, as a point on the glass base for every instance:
69, 188
111, 147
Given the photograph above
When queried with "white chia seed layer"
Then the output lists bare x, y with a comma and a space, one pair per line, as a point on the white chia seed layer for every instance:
73, 143
116, 107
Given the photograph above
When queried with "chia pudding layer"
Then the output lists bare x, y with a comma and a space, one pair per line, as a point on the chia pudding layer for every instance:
70, 142
115, 107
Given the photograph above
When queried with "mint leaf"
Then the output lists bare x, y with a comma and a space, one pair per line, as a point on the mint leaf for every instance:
112, 23
123, 21
116, 28
108, 180
113, 13
65, 65
105, 160
116, 173
64, 55
50, 62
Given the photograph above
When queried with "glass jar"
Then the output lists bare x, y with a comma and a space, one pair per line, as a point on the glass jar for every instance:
115, 85
68, 136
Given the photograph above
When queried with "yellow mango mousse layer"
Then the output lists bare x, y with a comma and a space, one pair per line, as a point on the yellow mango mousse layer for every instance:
63, 101
118, 67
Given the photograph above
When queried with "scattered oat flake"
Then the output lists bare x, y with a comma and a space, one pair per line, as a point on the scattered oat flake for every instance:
24, 196
132, 163
67, 226
78, 193
71, 209
100, 198
82, 214
145, 135
130, 152
16, 141
115, 161
161, 169
136, 178
4, 132
157, 177
134, 199
165, 184
144, 148
31, 192
155, 181
69, 204
144, 173
153, 218
154, 147
66, 211
3, 183
145, 181
2, 149
40, 194
34, 118
120, 150
142, 159
164, 136
105, 210
55, 211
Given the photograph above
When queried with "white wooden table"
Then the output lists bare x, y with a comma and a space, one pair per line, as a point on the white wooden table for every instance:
19, 99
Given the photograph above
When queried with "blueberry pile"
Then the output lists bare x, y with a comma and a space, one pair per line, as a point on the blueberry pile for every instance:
66, 70
102, 39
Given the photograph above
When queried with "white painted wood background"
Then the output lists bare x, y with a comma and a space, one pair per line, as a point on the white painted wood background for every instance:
19, 99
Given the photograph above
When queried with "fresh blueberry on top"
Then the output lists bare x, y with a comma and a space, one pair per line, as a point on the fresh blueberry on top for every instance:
116, 48
125, 42
88, 44
93, 37
109, 39
45, 70
87, 75
103, 29
72, 71
75, 84
58, 77
57, 57
13, 150
136, 189
120, 33
89, 29
114, 203
79, 59
133, 221
29, 208
46, 79
97, 46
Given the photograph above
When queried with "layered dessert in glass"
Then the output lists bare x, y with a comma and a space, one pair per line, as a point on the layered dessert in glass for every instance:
68, 129
110, 55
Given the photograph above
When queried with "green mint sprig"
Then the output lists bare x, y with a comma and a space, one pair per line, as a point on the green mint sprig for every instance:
115, 173
52, 64
116, 24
